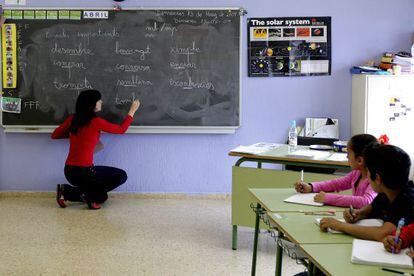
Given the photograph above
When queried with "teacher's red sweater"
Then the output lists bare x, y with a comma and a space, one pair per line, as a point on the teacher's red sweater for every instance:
82, 144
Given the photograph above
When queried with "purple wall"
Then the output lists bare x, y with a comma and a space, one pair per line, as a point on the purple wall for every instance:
194, 164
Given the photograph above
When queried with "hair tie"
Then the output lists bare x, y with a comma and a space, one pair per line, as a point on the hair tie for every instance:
384, 140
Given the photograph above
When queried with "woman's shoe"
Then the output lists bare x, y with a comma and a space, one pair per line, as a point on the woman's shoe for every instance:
94, 205
60, 199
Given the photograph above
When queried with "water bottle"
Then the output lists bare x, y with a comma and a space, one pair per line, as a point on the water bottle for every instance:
293, 135
412, 50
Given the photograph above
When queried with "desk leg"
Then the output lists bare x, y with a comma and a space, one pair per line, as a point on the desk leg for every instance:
256, 237
311, 268
279, 255
234, 245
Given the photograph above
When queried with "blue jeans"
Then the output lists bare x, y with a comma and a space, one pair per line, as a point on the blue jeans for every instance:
92, 183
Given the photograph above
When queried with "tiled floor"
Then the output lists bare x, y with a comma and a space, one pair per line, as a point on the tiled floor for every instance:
129, 236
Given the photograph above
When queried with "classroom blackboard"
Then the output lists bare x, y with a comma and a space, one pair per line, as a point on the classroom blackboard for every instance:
183, 65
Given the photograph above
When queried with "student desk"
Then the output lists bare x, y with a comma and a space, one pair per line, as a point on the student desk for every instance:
335, 259
271, 200
302, 229
247, 177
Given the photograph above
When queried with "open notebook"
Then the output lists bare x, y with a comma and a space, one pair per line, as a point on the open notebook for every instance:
304, 199
373, 253
362, 222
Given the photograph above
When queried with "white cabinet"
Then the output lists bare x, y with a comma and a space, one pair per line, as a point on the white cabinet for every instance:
384, 105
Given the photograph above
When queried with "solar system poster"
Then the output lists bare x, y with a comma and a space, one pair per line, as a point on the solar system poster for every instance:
289, 46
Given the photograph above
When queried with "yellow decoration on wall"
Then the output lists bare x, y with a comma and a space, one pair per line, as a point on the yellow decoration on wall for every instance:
9, 57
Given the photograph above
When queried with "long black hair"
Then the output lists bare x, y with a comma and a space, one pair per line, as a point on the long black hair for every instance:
85, 109
391, 163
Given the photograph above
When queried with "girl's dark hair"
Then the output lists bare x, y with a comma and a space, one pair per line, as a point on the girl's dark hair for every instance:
360, 141
391, 163
85, 109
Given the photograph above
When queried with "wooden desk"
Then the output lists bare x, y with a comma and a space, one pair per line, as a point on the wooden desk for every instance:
247, 177
335, 259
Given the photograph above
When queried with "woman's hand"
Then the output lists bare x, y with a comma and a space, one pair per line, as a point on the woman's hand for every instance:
330, 223
411, 253
99, 146
303, 187
134, 107
352, 217
320, 197
390, 245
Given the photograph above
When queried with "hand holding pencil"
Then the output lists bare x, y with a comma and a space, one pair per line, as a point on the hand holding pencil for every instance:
390, 245
302, 187
352, 215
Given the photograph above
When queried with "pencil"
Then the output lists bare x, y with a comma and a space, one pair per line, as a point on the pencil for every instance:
395, 271
351, 210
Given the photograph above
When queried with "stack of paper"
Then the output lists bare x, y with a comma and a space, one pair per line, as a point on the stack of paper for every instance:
256, 148
362, 222
311, 154
406, 63
304, 199
340, 157
301, 154
373, 253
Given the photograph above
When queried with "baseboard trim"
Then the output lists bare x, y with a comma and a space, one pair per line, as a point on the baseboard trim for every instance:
8, 194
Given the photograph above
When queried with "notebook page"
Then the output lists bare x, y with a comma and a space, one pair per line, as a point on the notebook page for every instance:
374, 253
304, 199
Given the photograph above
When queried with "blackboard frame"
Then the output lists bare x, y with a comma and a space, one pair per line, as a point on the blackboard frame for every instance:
145, 129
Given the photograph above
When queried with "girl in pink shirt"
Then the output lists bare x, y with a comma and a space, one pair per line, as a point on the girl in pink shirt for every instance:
362, 193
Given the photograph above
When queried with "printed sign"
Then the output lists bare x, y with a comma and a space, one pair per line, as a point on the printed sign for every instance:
12, 105
75, 15
289, 46
9, 55
52, 14
40, 14
64, 15
28, 14
95, 14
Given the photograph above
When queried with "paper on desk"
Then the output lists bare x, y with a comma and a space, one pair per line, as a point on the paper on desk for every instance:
341, 157
362, 222
312, 154
304, 199
255, 148
301, 154
373, 253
